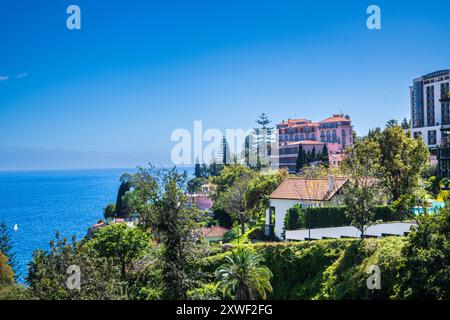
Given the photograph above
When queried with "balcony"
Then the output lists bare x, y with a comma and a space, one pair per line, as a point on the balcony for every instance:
445, 97
444, 153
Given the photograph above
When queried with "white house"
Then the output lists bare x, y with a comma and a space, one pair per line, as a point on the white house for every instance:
314, 192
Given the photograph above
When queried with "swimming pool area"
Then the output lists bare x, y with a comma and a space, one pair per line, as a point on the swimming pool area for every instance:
434, 207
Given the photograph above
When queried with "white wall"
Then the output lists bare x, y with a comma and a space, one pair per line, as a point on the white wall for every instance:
283, 205
424, 132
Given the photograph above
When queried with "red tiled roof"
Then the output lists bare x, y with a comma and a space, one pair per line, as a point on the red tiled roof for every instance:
335, 118
308, 189
216, 231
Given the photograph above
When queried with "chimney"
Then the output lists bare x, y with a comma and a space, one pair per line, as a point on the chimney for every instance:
331, 185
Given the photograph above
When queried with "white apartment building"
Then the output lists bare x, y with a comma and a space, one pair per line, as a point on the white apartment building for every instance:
430, 108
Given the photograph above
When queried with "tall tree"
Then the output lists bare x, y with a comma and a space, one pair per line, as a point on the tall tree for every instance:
122, 210
6, 273
204, 171
300, 162
213, 169
263, 138
176, 226
225, 153
243, 275
247, 150
198, 169
362, 165
308, 157
402, 160
234, 202
324, 155
120, 243
160, 197
406, 124
6, 246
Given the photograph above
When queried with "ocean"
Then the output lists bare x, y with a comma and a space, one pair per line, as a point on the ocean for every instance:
44, 202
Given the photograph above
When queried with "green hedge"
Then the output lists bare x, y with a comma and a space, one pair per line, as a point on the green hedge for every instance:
327, 217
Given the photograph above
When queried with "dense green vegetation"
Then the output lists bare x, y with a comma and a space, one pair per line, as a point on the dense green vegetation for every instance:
163, 257
328, 269
415, 267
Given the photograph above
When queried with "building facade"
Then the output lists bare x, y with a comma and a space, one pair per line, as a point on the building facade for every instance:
318, 192
430, 108
335, 132
430, 116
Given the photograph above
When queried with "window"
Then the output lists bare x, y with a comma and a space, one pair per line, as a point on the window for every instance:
272, 215
430, 106
445, 112
432, 137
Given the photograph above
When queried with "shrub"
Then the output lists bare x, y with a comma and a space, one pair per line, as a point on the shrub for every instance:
6, 273
425, 273
109, 211
231, 235
208, 291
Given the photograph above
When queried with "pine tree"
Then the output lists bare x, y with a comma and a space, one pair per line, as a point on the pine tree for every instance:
300, 159
204, 171
264, 123
405, 124
198, 169
226, 156
308, 156
263, 135
6, 247
325, 160
213, 169
313, 154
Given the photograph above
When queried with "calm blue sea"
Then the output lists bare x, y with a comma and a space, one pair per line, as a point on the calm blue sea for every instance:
43, 202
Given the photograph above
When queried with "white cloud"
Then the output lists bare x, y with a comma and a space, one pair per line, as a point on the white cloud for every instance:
3, 78
21, 75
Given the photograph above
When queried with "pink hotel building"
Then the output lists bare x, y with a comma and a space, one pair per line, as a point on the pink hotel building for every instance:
335, 132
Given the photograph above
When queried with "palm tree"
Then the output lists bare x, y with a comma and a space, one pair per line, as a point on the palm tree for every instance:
243, 276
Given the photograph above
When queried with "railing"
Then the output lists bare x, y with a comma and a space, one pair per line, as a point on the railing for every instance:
444, 152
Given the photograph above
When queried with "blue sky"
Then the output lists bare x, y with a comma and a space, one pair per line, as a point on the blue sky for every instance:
110, 94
